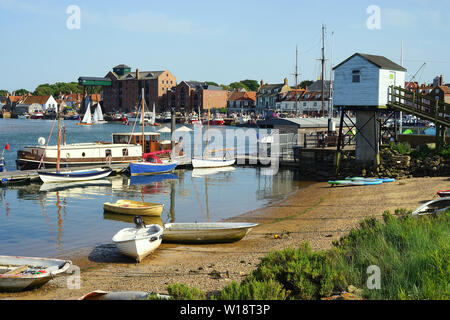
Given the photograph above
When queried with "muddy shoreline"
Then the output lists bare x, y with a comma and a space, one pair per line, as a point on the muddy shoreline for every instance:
316, 213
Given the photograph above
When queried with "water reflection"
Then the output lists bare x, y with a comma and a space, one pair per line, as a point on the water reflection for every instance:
47, 187
50, 218
129, 219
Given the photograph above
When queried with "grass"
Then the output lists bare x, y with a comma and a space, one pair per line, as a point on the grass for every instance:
411, 253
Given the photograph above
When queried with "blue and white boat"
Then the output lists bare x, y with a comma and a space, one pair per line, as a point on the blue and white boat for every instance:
152, 165
79, 175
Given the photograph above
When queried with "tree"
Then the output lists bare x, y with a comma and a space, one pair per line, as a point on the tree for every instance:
305, 83
212, 83
238, 86
226, 87
252, 85
3, 93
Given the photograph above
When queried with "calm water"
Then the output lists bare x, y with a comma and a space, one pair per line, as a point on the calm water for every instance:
40, 221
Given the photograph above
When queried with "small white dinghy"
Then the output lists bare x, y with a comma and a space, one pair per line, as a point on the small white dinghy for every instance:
140, 241
433, 207
206, 232
25, 273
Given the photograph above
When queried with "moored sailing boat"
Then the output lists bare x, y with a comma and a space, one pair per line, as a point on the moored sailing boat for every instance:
98, 115
87, 119
77, 175
208, 161
151, 163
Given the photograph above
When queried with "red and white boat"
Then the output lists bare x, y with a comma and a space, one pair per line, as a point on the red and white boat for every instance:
217, 121
444, 193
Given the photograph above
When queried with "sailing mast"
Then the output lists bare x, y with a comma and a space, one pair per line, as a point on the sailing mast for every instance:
142, 117
207, 128
296, 80
323, 67
59, 140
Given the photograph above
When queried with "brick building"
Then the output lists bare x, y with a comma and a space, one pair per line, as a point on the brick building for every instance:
188, 96
125, 89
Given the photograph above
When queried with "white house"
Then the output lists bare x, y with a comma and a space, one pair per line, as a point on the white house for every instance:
48, 103
363, 80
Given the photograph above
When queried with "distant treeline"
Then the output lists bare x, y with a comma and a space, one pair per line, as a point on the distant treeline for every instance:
251, 85
52, 89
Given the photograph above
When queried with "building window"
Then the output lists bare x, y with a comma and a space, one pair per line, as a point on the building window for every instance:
356, 76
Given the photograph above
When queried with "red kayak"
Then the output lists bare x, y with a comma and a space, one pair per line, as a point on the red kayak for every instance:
444, 193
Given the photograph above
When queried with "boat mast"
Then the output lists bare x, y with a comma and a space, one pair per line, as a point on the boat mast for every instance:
142, 117
296, 81
323, 67
59, 140
207, 128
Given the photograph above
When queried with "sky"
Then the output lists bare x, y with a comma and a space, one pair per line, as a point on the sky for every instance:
220, 41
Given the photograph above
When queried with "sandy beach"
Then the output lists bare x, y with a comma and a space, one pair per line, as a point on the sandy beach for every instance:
318, 214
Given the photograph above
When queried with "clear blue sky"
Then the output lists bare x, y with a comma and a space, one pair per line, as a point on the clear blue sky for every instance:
221, 41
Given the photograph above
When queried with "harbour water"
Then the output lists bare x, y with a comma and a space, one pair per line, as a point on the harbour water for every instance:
43, 220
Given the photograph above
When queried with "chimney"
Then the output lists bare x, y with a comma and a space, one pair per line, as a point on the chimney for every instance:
137, 74
441, 80
285, 81
262, 83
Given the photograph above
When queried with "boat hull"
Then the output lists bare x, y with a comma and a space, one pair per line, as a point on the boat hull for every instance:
433, 207
134, 208
138, 243
21, 282
145, 168
79, 175
211, 163
354, 182
212, 232
442, 193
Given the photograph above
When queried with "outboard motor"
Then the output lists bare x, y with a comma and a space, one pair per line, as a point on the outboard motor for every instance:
139, 222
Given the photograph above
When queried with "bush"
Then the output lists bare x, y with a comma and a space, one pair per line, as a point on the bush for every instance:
252, 289
402, 148
303, 273
182, 292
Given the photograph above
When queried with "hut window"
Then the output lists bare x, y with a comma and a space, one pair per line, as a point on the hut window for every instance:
356, 76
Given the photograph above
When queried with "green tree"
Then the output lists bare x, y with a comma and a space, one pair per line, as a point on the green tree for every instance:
3, 93
212, 83
239, 85
305, 83
252, 85
21, 92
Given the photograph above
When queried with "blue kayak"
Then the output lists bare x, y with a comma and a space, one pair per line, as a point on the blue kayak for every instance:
359, 182
370, 179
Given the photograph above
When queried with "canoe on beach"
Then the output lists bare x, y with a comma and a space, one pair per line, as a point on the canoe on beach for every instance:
134, 208
370, 179
206, 232
25, 273
354, 182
